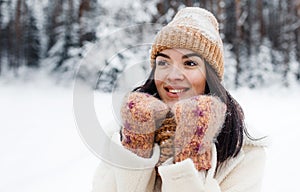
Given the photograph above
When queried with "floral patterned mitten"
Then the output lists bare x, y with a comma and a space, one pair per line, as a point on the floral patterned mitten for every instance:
141, 114
199, 120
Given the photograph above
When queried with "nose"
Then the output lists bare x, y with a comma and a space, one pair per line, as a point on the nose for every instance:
175, 74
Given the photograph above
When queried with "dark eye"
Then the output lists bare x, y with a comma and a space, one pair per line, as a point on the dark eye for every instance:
190, 63
161, 63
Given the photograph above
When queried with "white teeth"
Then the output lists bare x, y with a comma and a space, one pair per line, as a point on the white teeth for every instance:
176, 90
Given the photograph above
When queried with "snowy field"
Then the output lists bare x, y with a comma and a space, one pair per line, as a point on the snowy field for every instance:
42, 151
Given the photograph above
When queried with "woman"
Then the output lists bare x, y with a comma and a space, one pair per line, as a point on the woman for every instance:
182, 122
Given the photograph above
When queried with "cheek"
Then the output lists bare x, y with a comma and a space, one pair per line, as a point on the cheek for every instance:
159, 78
201, 87
157, 81
198, 83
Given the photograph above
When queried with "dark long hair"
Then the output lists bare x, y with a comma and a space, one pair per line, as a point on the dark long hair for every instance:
230, 139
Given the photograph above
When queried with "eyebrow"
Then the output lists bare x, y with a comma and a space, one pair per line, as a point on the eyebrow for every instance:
191, 55
162, 55
184, 56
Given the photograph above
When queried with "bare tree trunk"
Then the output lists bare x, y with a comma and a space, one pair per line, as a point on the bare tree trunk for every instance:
220, 15
83, 7
297, 36
211, 7
203, 4
248, 32
54, 22
286, 39
237, 41
260, 19
1, 35
188, 3
18, 36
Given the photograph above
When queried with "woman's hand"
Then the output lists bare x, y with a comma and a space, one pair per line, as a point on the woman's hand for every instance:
141, 113
199, 120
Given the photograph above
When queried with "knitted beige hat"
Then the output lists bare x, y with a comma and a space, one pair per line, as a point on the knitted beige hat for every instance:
196, 29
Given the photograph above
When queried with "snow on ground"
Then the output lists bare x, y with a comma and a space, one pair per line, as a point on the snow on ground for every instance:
41, 149
275, 112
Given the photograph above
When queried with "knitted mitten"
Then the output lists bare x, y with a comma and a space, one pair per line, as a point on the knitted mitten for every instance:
199, 120
140, 113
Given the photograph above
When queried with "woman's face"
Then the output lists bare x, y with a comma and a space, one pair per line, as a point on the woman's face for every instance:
179, 74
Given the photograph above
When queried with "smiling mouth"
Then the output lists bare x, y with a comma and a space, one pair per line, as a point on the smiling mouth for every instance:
176, 91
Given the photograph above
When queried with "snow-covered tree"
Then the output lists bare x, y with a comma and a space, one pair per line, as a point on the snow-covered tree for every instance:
123, 39
104, 38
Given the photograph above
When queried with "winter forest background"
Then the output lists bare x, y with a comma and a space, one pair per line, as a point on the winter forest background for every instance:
262, 38
48, 45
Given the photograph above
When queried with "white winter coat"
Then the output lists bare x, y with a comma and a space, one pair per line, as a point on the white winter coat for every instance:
240, 174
